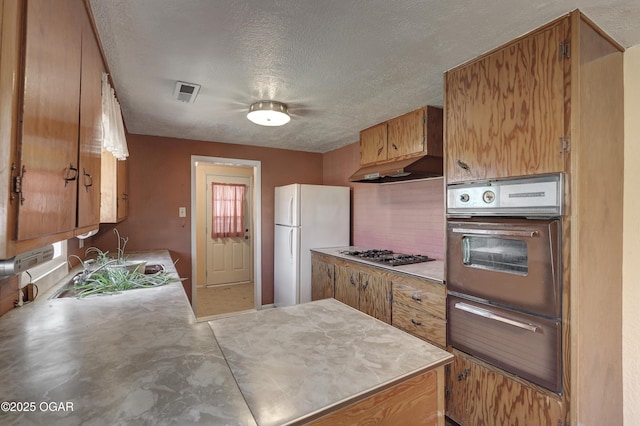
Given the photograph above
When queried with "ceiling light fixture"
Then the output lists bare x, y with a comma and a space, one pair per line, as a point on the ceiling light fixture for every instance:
269, 113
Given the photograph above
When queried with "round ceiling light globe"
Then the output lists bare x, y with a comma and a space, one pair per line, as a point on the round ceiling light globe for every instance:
268, 113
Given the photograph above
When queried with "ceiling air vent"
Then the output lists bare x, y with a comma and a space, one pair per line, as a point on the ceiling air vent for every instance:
186, 92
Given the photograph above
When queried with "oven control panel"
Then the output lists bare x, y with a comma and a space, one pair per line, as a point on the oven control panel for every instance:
525, 196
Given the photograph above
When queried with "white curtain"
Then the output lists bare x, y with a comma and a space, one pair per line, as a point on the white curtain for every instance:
228, 210
113, 138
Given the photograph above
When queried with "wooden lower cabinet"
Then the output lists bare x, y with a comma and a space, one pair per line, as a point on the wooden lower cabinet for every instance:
360, 286
417, 401
348, 286
375, 296
322, 279
477, 394
419, 308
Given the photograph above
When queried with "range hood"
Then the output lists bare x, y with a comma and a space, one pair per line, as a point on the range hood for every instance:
426, 166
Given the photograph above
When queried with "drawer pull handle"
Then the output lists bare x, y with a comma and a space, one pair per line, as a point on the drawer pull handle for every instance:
416, 298
490, 315
414, 322
365, 285
72, 174
352, 281
463, 375
462, 165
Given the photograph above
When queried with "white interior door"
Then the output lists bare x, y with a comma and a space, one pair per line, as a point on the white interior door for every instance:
228, 259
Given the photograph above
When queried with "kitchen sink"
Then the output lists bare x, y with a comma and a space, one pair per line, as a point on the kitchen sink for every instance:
69, 289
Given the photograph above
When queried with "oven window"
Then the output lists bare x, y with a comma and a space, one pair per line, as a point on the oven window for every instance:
496, 254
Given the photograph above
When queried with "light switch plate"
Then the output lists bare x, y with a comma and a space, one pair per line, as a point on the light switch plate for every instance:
182, 211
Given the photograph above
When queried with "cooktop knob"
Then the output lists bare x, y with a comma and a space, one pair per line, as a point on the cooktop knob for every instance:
488, 197
464, 198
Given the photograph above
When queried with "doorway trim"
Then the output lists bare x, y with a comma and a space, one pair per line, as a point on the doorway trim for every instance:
257, 222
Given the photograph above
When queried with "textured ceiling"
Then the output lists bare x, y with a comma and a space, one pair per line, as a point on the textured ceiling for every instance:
340, 65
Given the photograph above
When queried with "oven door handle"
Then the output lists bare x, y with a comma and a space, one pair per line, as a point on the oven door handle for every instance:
507, 233
490, 315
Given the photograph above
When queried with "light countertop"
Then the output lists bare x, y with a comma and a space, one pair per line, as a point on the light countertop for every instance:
140, 357
133, 358
433, 270
297, 361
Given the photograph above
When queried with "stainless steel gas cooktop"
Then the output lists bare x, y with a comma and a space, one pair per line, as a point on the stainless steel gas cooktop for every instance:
387, 257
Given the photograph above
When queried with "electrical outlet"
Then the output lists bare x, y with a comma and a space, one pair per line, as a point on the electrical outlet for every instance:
182, 211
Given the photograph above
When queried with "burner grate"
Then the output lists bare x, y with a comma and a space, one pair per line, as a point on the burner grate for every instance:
388, 257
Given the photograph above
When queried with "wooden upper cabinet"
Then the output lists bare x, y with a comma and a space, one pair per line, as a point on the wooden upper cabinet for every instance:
49, 144
416, 133
373, 144
90, 129
406, 134
505, 112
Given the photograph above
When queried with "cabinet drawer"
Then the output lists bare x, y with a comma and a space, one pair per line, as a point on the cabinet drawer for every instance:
426, 301
419, 324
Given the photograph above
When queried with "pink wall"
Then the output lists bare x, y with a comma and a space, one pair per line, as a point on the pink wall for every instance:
406, 217
160, 182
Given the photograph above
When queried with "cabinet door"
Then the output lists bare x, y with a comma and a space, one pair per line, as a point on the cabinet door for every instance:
375, 296
347, 286
505, 111
406, 135
322, 286
373, 144
49, 144
90, 129
476, 395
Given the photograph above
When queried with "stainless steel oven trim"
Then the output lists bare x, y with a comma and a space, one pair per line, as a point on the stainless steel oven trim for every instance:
534, 196
509, 233
490, 315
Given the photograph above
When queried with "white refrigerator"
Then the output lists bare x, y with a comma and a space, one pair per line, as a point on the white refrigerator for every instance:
306, 217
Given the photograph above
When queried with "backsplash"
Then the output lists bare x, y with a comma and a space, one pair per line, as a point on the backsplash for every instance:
406, 217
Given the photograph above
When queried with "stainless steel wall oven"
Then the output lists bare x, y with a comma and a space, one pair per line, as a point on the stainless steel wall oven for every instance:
503, 276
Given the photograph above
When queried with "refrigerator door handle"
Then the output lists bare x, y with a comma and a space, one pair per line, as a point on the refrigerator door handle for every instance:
291, 210
291, 243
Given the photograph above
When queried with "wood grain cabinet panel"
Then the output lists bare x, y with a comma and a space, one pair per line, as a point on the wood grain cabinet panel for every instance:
420, 324
373, 144
50, 108
362, 287
405, 135
431, 300
89, 164
51, 105
375, 296
476, 395
348, 286
412, 134
322, 279
416, 401
505, 112
419, 308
